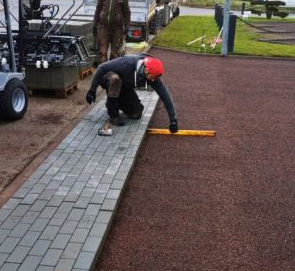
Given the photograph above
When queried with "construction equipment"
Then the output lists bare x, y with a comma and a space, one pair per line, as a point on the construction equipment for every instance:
41, 45
45, 43
200, 133
13, 92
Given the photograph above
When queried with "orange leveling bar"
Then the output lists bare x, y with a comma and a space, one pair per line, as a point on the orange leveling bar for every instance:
153, 131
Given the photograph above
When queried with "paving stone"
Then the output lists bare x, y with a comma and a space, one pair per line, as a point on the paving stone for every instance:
128, 161
69, 227
109, 205
92, 244
60, 176
80, 235
21, 192
60, 241
9, 244
76, 214
52, 257
29, 239
121, 175
4, 214
3, 234
39, 224
48, 212
45, 268
20, 230
46, 179
10, 222
65, 207
52, 170
93, 182
98, 229
65, 265
37, 174
88, 192
38, 205
9, 267
40, 248
84, 260
3, 257
118, 184
104, 217
92, 210
50, 232
113, 194
72, 251
46, 194
83, 177
29, 217
58, 219
54, 184
82, 202
10, 204
86, 222
56, 200
70, 180
20, 210
103, 188
30, 263
18, 254
62, 190
98, 198
72, 196
38, 188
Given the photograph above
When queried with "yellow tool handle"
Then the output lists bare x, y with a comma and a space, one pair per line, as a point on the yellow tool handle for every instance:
153, 131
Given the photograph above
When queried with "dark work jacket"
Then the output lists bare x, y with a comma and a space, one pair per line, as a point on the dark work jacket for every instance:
132, 76
112, 13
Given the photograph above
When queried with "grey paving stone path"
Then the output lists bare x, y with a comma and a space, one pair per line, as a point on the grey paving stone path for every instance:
59, 218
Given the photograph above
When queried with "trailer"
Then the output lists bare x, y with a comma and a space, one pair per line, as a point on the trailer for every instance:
143, 13
146, 16
13, 92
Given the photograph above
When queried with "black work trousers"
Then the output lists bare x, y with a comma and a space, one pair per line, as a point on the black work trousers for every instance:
121, 98
128, 102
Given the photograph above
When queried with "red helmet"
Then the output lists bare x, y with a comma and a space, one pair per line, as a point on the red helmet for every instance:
153, 65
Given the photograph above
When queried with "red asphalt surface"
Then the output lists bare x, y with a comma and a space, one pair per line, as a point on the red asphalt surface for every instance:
213, 204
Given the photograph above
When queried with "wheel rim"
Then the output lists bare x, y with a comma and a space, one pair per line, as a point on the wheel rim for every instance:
18, 100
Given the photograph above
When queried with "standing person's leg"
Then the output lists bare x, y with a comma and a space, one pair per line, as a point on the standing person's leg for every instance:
103, 43
116, 41
130, 104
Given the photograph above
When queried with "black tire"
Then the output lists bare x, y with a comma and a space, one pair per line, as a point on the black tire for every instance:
13, 100
176, 12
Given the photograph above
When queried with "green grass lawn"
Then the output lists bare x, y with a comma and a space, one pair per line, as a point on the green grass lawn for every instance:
184, 29
235, 4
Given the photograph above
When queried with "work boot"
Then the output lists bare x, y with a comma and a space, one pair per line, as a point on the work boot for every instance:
117, 121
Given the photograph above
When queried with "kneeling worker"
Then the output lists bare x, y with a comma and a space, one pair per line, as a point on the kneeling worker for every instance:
120, 76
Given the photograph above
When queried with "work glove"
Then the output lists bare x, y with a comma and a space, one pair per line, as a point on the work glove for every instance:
173, 127
94, 30
91, 96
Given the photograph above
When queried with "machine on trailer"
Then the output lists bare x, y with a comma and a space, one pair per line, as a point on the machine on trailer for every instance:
13, 92
52, 57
